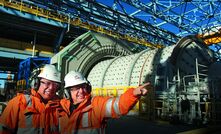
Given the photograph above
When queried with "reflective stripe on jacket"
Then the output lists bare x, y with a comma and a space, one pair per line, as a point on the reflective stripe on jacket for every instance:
28, 114
90, 115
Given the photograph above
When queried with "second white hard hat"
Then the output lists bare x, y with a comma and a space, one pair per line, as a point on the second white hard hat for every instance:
74, 78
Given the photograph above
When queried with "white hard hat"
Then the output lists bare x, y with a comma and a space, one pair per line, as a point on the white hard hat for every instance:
74, 78
49, 72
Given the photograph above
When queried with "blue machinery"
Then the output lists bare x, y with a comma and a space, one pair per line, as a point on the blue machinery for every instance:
25, 69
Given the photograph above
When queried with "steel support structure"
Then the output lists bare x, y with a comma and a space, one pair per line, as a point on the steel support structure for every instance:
27, 65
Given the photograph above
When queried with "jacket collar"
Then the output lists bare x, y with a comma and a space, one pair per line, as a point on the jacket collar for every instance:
83, 106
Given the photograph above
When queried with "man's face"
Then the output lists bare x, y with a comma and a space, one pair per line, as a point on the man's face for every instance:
48, 89
78, 93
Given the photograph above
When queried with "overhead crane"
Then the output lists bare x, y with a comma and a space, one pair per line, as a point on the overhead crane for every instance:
212, 37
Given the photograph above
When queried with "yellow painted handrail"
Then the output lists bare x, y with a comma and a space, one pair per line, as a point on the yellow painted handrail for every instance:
32, 9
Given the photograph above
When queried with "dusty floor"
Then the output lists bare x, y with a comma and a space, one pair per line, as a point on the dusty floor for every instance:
132, 125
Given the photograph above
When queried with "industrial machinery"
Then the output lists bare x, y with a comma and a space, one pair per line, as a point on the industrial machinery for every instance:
182, 89
26, 68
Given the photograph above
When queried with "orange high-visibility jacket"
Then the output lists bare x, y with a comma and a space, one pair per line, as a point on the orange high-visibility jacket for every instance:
90, 115
28, 114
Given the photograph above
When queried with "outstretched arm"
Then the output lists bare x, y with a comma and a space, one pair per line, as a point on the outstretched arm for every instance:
114, 107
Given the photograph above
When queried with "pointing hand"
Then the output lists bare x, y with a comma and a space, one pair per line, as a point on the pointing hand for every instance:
141, 90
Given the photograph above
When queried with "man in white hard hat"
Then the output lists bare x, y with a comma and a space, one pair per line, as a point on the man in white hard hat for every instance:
35, 112
49, 82
87, 114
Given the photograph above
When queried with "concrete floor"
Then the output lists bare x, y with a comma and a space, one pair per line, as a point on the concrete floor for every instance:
132, 125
